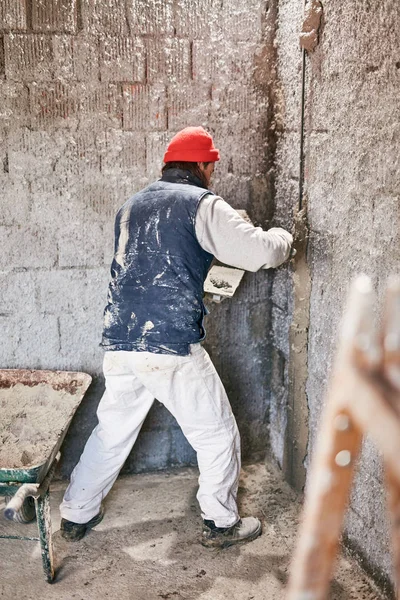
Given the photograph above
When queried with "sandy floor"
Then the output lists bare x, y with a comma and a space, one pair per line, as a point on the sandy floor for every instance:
146, 548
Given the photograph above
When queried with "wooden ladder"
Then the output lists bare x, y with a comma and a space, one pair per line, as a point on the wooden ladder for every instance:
364, 398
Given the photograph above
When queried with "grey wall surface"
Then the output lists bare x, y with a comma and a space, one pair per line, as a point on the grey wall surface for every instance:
90, 93
352, 180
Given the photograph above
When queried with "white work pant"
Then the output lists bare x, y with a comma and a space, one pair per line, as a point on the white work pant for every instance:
190, 388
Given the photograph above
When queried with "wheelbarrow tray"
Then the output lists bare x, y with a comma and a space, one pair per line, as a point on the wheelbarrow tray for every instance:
36, 408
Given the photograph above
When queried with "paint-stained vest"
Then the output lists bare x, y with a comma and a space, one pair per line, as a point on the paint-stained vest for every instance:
155, 297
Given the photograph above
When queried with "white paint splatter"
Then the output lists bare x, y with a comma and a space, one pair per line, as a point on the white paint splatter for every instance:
159, 275
147, 327
108, 319
123, 237
168, 349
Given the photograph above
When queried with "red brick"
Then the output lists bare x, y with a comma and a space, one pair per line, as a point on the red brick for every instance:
28, 57
54, 104
54, 15
168, 60
12, 15
144, 107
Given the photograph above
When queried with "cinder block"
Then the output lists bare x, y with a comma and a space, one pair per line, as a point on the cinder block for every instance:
205, 61
235, 63
168, 60
108, 242
122, 59
102, 198
2, 58
68, 290
122, 152
95, 296
105, 16
55, 104
188, 105
281, 289
15, 200
156, 145
198, 19
233, 189
144, 107
237, 109
102, 106
81, 333
76, 57
150, 452
13, 15
32, 153
242, 21
28, 57
150, 17
27, 247
80, 240
241, 153
55, 15
255, 287
280, 330
14, 105
17, 293
78, 155
32, 341
49, 196
10, 333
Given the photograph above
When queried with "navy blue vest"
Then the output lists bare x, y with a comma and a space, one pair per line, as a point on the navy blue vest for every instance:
155, 297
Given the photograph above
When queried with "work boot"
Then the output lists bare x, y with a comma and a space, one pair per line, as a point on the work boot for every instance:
73, 532
245, 530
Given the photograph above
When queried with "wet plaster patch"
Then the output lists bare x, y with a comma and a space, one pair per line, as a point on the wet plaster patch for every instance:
147, 547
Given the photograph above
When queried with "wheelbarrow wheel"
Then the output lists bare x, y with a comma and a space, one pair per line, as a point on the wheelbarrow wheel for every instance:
26, 513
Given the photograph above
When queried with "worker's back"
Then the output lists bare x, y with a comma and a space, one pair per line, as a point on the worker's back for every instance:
157, 275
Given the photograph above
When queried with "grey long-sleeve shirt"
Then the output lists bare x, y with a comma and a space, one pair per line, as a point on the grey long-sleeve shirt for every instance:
221, 231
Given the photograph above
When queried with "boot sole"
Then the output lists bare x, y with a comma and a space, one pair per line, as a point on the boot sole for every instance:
227, 543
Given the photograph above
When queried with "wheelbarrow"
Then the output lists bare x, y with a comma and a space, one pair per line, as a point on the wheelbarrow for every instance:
36, 409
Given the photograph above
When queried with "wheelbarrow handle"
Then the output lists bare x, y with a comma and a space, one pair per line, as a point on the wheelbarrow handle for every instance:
16, 502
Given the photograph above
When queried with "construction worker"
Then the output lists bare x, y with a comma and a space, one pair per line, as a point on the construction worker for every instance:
165, 239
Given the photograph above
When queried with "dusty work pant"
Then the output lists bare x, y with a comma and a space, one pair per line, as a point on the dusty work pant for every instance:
190, 388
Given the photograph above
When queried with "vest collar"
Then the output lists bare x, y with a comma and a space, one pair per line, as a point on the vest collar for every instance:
181, 176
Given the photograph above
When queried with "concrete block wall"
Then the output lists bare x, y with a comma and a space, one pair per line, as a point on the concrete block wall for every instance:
354, 188
352, 184
90, 93
287, 115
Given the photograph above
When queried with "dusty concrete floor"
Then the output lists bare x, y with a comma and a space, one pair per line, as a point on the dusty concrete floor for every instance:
146, 548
